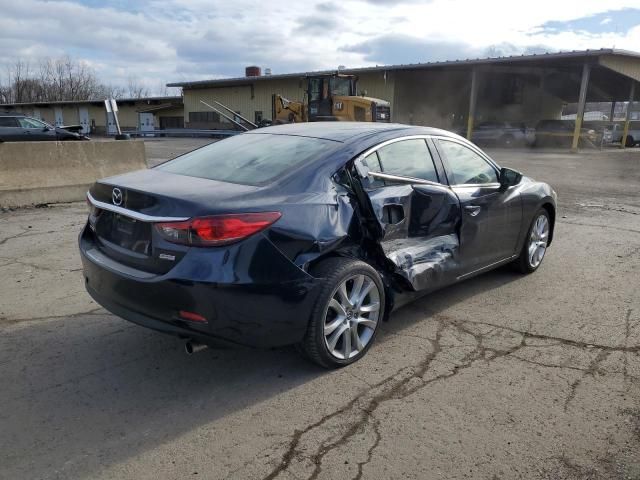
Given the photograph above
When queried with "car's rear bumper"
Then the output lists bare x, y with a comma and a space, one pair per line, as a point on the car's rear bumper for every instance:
262, 300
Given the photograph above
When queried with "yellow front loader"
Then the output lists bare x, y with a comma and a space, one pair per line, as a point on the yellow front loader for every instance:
331, 97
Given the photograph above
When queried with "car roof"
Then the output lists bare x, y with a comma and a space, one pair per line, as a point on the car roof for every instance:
347, 131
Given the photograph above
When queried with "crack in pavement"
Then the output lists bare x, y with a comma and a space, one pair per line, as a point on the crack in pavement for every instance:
590, 371
609, 208
358, 414
378, 438
27, 233
582, 224
627, 332
6, 322
35, 266
6, 239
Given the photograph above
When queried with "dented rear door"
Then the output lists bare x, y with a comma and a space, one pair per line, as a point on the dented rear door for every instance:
419, 216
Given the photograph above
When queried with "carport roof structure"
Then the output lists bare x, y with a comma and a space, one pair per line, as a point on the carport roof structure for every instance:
614, 64
605, 74
147, 100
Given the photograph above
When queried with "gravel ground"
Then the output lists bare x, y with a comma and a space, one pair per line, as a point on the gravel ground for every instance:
503, 376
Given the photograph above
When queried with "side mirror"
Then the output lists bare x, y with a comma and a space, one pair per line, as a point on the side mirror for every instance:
509, 178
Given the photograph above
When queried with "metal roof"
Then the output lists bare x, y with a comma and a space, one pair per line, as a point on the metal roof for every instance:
544, 57
97, 100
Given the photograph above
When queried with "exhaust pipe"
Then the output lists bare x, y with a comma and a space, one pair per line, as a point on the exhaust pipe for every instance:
192, 347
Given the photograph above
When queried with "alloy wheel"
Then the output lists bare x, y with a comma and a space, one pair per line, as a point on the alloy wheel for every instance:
351, 317
538, 240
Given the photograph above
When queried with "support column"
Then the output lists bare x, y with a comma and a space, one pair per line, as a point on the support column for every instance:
627, 117
613, 110
473, 97
584, 86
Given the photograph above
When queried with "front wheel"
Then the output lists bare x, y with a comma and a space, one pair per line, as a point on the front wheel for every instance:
347, 314
507, 141
535, 245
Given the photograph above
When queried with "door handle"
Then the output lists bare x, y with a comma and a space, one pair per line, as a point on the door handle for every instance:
473, 210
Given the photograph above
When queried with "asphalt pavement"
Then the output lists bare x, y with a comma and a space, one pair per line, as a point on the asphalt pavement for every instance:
503, 376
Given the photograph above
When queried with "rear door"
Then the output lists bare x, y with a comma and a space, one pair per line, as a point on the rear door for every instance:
10, 131
491, 216
417, 212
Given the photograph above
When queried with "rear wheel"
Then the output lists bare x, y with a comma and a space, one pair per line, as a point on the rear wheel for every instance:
630, 141
347, 314
536, 243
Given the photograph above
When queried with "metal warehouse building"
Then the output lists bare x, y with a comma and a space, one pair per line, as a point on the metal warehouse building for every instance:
453, 95
133, 113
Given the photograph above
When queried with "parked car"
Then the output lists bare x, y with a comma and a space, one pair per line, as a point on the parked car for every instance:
615, 131
306, 234
559, 133
15, 127
503, 134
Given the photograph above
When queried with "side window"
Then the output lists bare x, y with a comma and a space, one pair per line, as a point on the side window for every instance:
409, 158
30, 123
315, 84
8, 122
466, 165
373, 162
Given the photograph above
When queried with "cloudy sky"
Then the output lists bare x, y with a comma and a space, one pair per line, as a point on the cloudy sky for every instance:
161, 41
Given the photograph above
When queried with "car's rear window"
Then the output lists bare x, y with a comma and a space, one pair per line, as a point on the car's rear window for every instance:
250, 159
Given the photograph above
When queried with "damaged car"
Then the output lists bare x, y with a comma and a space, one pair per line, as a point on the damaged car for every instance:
306, 234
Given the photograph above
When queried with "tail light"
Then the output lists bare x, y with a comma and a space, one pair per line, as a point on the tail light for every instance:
191, 316
216, 230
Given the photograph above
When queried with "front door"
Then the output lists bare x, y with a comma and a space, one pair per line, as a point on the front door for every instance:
111, 124
83, 115
417, 213
147, 122
491, 216
59, 117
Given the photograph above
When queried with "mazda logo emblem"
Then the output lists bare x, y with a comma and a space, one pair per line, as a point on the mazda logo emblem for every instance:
116, 197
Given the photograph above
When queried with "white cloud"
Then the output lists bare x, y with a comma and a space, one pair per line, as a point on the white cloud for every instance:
177, 40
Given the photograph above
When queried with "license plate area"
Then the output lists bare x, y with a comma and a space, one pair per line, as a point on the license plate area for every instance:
125, 225
125, 232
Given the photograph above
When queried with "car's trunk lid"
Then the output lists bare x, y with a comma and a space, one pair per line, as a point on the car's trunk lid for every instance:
127, 207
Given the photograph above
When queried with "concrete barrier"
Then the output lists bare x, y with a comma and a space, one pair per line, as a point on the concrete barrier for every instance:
32, 173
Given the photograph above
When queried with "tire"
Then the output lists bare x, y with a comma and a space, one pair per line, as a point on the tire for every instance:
524, 263
352, 322
507, 141
630, 141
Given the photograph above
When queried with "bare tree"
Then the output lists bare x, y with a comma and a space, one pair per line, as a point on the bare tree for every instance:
67, 79
163, 91
61, 79
136, 89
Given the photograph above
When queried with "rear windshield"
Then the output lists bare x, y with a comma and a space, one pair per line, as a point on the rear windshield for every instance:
250, 159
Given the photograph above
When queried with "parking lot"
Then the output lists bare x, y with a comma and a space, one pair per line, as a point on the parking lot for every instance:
503, 376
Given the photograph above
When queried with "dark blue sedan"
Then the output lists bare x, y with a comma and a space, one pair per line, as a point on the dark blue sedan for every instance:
306, 234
